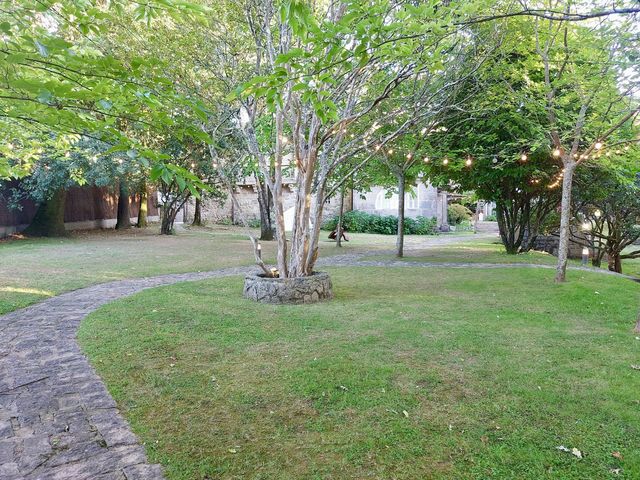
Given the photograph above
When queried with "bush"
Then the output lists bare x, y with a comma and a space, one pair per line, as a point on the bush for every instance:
491, 218
253, 223
361, 222
458, 213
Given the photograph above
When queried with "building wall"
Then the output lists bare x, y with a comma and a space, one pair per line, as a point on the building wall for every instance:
214, 211
426, 201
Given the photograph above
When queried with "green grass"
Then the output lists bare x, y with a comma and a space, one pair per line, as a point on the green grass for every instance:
494, 369
34, 269
479, 251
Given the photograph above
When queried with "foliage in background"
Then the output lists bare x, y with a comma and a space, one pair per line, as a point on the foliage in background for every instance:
362, 222
457, 213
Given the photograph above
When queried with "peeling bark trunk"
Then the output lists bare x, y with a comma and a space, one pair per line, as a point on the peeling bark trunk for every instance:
400, 234
124, 219
49, 218
565, 220
264, 203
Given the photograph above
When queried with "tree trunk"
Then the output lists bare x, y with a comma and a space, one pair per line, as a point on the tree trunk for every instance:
565, 221
197, 213
400, 235
264, 203
166, 223
143, 208
615, 263
124, 219
340, 214
49, 218
506, 227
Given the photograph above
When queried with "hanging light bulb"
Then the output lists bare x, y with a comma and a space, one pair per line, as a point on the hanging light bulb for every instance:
495, 160
468, 162
426, 159
598, 145
408, 156
556, 152
377, 147
390, 151
445, 161
597, 213
524, 157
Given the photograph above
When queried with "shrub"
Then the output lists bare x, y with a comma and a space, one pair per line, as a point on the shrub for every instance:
253, 223
361, 222
458, 213
491, 218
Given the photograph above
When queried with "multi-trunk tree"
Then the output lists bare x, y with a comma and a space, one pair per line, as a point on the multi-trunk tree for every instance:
326, 74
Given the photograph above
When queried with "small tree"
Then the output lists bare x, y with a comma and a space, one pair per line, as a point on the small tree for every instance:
608, 207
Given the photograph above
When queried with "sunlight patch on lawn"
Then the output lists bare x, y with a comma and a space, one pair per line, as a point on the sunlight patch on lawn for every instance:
33, 291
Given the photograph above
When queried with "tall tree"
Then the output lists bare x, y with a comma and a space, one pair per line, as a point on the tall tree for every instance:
588, 95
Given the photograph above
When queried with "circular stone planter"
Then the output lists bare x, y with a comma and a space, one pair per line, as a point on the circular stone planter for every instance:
314, 288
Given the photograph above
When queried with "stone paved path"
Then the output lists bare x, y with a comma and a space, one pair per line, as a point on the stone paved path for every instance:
57, 420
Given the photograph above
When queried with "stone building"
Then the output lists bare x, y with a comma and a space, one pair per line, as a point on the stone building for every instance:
425, 200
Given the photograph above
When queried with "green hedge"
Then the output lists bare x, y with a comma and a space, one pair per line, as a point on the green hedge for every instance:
362, 222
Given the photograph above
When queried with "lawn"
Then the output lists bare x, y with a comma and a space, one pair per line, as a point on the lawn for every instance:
408, 373
34, 269
471, 251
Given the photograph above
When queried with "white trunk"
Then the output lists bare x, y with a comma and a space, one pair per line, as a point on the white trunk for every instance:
400, 235
565, 220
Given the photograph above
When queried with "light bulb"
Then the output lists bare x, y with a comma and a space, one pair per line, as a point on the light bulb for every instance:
468, 162
445, 161
598, 145
556, 152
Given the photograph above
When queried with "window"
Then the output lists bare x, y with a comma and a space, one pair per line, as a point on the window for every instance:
386, 203
383, 202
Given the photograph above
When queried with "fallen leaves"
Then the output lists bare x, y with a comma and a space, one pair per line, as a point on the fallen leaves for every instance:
617, 455
574, 451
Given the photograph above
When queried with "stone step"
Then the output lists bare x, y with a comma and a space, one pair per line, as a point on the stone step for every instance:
487, 227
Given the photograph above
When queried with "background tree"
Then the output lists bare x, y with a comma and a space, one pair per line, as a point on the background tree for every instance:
607, 202
588, 95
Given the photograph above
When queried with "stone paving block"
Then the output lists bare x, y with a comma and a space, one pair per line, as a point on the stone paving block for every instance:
57, 419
